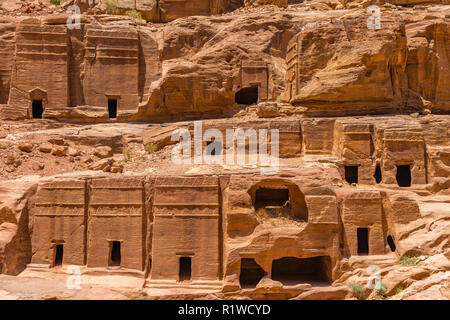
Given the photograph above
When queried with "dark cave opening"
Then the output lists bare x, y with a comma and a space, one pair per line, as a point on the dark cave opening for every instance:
247, 96
391, 243
403, 175
377, 175
251, 273
351, 174
115, 255
271, 197
294, 270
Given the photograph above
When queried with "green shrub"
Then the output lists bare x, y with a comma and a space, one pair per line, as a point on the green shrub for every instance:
56, 2
151, 148
111, 7
135, 15
409, 260
126, 155
380, 289
399, 290
357, 288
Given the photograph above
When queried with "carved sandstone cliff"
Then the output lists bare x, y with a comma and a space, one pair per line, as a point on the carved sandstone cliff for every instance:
195, 67
364, 149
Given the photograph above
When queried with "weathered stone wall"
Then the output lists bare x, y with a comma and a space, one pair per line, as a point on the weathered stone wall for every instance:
428, 64
375, 72
116, 213
251, 235
404, 146
354, 145
40, 70
218, 222
363, 209
7, 33
194, 67
59, 218
112, 68
366, 144
186, 223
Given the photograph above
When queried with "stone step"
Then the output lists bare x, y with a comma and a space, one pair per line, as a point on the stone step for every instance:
173, 284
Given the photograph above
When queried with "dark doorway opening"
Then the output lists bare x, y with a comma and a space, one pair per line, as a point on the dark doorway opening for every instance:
115, 257
351, 174
363, 241
391, 243
37, 109
247, 96
266, 197
377, 175
112, 108
251, 273
59, 254
213, 148
278, 198
185, 269
404, 176
294, 270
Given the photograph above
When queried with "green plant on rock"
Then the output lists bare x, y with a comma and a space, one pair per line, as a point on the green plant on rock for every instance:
126, 155
135, 15
380, 289
151, 148
399, 290
409, 260
111, 7
56, 2
357, 289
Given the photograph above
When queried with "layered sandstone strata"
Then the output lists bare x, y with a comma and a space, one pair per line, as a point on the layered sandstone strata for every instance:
328, 62
359, 116
341, 197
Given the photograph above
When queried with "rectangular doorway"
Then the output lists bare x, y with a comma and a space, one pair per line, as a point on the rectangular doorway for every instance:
112, 108
115, 256
403, 175
185, 269
363, 241
37, 109
59, 255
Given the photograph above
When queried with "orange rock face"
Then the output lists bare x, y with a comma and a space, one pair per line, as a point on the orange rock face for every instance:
356, 117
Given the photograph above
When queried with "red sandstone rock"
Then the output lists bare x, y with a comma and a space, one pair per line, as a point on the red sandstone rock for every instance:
268, 110
46, 147
103, 152
59, 151
351, 193
26, 147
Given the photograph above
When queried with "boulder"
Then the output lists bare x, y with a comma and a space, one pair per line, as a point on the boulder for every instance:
46, 147
26, 147
268, 110
103, 152
59, 151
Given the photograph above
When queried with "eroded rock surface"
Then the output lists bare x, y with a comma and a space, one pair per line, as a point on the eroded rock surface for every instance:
88, 179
